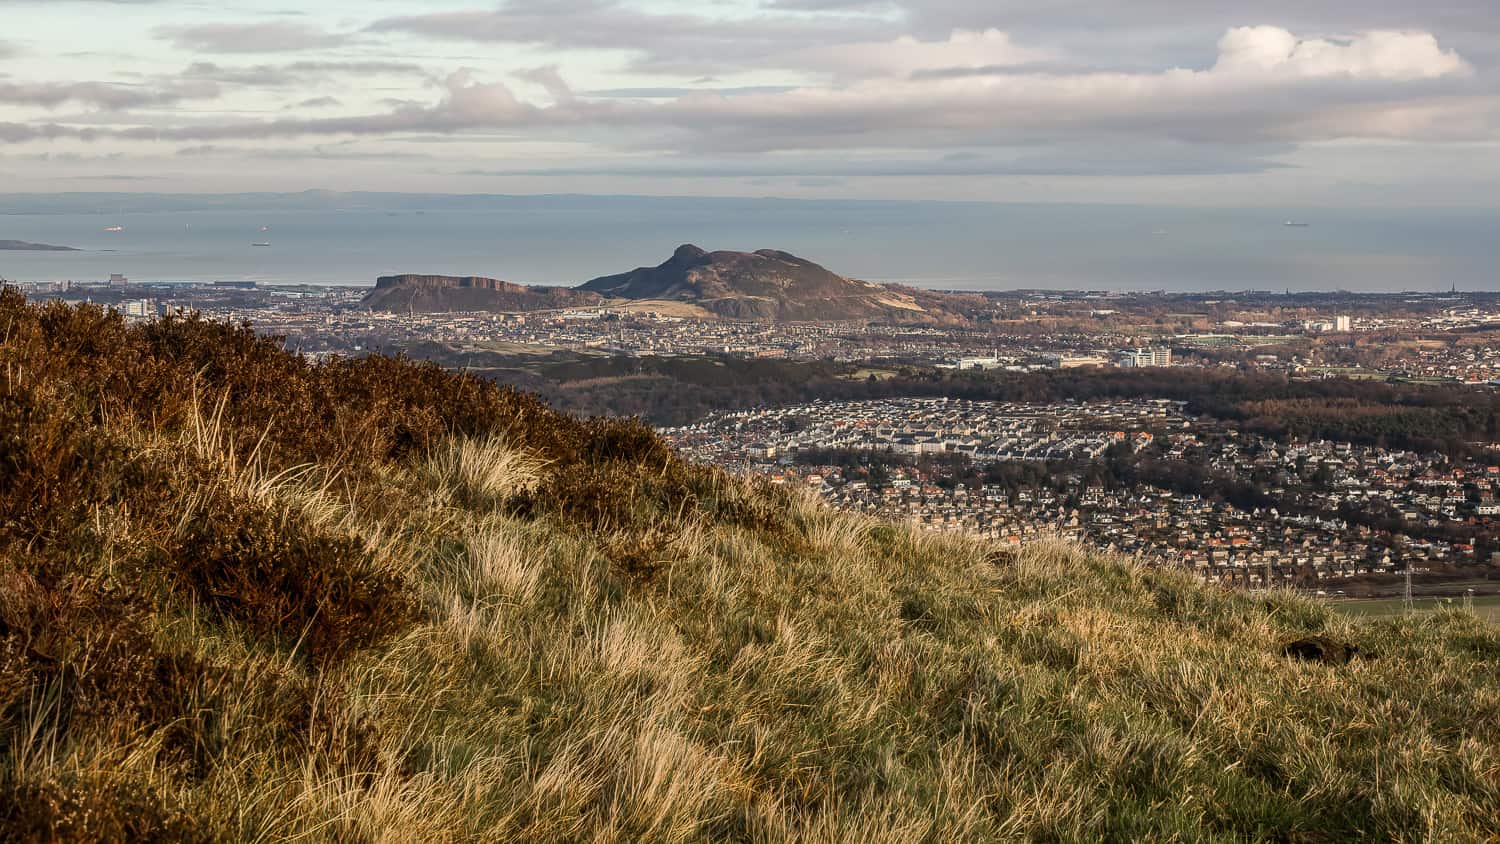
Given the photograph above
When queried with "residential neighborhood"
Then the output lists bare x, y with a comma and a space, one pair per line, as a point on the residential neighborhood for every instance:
1293, 514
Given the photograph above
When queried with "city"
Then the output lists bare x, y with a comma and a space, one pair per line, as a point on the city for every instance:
1235, 506
1320, 524
1425, 337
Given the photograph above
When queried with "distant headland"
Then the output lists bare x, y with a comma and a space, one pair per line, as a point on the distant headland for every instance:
23, 246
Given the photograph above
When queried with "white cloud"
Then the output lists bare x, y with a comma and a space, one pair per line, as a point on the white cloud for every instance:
1376, 54
904, 56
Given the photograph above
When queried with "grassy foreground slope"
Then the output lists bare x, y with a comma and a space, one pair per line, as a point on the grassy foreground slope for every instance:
247, 597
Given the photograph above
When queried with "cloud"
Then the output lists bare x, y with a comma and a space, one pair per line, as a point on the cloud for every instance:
1378, 54
667, 93
318, 102
662, 42
1265, 86
343, 151
831, 5
115, 177
467, 104
550, 80
297, 73
907, 55
8, 50
264, 37
104, 95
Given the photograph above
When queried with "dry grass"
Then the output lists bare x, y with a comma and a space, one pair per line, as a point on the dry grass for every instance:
492, 623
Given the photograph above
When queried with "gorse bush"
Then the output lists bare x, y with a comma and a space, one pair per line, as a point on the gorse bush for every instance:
245, 596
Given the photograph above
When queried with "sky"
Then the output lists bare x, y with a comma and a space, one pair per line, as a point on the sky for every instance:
1315, 103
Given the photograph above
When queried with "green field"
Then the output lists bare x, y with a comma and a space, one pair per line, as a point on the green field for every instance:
1486, 607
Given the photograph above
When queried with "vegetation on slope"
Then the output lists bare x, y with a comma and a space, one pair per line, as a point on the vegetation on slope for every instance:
243, 596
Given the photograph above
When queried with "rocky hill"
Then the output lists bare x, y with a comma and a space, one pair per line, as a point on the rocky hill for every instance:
440, 294
245, 596
766, 285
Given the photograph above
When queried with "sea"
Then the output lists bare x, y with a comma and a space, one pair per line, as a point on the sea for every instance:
350, 239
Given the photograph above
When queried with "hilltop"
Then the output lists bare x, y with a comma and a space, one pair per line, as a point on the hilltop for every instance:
440, 294
765, 285
247, 596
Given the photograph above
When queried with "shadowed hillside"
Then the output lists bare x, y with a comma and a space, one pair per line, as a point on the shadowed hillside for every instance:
248, 597
439, 294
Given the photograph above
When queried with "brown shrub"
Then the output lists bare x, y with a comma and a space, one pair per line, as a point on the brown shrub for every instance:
91, 646
285, 582
100, 810
346, 412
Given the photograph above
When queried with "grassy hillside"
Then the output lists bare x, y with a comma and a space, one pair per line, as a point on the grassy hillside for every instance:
247, 597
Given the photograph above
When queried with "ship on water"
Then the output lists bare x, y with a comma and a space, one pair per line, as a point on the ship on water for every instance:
1295, 224
115, 228
262, 243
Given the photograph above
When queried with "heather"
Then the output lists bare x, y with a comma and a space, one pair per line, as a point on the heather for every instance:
248, 596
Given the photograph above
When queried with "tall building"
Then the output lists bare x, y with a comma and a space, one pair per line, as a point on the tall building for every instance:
1343, 324
1141, 358
140, 308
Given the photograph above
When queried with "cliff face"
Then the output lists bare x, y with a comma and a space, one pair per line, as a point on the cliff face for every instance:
766, 285
440, 294
446, 282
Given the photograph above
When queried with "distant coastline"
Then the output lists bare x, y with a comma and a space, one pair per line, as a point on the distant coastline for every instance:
562, 240
23, 246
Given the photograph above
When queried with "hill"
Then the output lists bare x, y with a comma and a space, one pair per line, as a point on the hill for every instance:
23, 246
766, 285
440, 294
246, 596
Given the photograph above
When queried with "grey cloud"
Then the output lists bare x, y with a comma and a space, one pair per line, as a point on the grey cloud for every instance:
321, 152
1338, 15
318, 102
260, 37
114, 177
105, 95
21, 132
830, 5
1149, 33
467, 105
72, 157
968, 72
296, 73
260, 76
665, 42
674, 93
1234, 109
1420, 93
